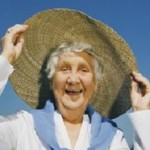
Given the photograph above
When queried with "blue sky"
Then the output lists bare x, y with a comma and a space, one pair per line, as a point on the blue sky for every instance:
130, 18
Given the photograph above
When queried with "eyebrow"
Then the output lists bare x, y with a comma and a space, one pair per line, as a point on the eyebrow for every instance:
62, 63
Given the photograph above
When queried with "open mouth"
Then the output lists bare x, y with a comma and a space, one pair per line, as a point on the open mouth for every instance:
72, 91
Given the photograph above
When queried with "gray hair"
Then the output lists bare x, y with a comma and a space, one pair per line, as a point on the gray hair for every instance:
64, 49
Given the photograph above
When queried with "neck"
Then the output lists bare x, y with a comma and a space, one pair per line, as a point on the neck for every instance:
73, 129
72, 117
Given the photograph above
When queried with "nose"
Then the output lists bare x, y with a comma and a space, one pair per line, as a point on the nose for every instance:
73, 78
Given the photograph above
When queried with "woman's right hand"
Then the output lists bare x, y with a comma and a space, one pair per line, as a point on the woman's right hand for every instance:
12, 42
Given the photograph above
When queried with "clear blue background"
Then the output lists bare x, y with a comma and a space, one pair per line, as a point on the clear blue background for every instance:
130, 18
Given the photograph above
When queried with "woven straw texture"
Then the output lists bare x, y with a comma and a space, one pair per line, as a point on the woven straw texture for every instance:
50, 28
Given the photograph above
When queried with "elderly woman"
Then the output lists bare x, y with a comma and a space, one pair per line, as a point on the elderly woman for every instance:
68, 121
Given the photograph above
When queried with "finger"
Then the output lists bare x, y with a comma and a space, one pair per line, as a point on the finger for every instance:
14, 33
134, 93
17, 29
141, 79
134, 88
19, 45
143, 83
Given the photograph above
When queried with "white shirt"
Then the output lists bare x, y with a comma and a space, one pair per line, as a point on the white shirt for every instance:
83, 141
17, 131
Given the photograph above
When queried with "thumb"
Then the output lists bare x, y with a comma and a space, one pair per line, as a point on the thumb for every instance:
18, 47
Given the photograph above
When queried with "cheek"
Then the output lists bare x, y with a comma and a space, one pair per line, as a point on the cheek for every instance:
58, 83
89, 84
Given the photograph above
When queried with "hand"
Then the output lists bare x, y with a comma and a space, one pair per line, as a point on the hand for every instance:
12, 42
140, 92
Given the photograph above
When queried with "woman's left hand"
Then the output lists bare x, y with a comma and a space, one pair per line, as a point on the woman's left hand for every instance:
140, 92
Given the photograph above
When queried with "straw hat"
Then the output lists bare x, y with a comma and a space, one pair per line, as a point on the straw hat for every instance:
50, 28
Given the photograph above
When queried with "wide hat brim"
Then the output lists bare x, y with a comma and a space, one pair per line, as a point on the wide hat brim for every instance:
50, 28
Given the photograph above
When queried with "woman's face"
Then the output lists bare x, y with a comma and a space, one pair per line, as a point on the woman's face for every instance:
74, 81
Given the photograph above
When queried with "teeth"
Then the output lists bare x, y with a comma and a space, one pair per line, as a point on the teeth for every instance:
73, 91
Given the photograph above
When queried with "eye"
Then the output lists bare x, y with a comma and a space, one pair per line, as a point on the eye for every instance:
85, 70
65, 69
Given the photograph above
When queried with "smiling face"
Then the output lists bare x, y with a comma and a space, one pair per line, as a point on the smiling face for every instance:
74, 82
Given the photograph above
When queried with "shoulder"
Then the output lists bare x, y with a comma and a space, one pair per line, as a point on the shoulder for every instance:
119, 141
20, 118
15, 126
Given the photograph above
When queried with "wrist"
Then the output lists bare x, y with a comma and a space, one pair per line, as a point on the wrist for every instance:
135, 109
8, 57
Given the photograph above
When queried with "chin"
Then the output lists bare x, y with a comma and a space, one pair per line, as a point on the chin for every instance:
75, 107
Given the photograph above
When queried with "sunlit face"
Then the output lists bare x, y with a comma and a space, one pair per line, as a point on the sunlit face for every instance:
74, 81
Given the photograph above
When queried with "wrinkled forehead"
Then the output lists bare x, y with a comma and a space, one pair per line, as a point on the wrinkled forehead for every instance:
77, 56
